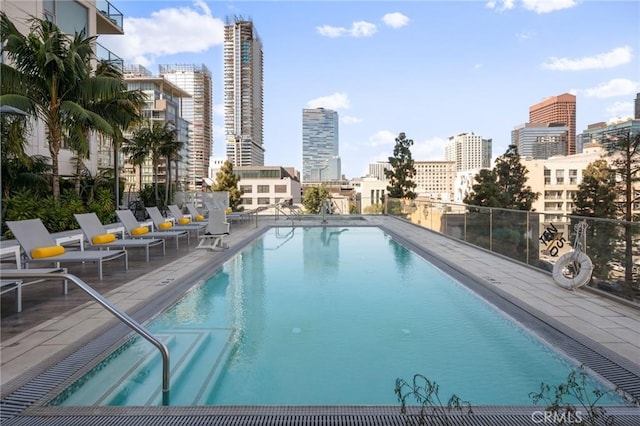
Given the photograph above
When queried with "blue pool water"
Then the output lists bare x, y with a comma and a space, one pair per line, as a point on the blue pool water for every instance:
326, 316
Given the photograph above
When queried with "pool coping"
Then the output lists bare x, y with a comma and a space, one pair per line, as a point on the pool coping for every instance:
275, 412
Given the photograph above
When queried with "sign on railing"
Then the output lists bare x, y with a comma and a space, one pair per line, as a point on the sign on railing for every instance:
553, 240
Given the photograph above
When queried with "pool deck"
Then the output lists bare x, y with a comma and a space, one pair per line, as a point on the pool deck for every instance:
52, 325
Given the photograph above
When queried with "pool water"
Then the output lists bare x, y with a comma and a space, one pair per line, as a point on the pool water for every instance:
327, 316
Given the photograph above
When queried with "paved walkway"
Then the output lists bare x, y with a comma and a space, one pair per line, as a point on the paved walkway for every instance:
32, 344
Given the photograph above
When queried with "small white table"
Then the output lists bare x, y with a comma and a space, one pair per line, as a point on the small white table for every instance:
70, 238
11, 250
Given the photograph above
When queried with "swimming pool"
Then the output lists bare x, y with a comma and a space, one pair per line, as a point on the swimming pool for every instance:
326, 316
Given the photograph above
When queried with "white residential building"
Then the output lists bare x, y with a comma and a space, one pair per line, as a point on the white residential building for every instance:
469, 151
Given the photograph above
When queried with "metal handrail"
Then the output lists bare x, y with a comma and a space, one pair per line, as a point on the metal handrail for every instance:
24, 273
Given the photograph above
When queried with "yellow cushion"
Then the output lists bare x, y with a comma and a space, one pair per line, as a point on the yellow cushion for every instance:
199, 217
139, 231
165, 225
42, 252
103, 239
184, 220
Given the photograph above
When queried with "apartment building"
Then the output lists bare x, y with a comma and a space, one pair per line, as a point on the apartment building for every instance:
557, 109
163, 101
93, 17
469, 151
243, 93
556, 179
197, 110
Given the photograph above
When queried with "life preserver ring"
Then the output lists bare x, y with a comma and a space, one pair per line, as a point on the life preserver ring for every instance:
578, 259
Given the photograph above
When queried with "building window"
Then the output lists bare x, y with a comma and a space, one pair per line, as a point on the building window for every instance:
280, 189
263, 189
246, 201
246, 189
263, 201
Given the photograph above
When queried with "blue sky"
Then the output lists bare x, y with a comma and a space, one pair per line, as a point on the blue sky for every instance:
431, 69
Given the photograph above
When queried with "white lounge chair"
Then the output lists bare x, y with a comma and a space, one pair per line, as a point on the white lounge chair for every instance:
40, 247
196, 216
162, 225
178, 215
134, 230
216, 232
98, 237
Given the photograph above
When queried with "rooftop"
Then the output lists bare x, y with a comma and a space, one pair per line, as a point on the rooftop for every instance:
593, 329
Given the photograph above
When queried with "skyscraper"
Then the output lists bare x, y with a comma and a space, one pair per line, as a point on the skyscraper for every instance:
243, 88
636, 114
320, 159
557, 109
195, 80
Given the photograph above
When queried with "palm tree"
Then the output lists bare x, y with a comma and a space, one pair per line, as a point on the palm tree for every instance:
121, 111
48, 71
170, 150
154, 141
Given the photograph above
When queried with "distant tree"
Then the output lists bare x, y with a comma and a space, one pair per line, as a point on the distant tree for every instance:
313, 197
504, 186
226, 180
624, 148
596, 197
402, 170
486, 192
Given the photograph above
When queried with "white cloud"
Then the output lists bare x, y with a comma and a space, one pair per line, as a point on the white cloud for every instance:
612, 88
617, 56
381, 138
363, 29
500, 5
358, 29
329, 31
547, 6
619, 110
537, 6
334, 101
348, 119
395, 20
192, 29
429, 149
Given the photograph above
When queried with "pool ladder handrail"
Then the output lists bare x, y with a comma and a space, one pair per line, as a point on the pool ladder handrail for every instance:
122, 316
278, 210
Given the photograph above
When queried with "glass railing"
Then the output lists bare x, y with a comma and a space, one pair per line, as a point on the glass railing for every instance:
102, 53
111, 12
613, 246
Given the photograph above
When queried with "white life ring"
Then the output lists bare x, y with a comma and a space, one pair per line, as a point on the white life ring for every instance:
573, 258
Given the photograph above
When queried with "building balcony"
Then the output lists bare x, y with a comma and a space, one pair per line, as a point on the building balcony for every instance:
102, 53
109, 20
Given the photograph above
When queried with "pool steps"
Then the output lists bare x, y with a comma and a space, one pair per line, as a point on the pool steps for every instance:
131, 377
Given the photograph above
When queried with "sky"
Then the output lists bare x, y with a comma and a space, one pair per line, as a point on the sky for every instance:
430, 69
